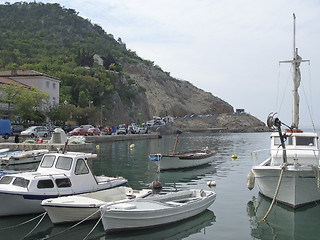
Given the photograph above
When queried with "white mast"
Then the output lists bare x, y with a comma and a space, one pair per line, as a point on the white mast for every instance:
296, 78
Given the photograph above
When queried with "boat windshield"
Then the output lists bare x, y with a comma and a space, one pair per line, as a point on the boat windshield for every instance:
81, 167
305, 141
6, 180
21, 182
277, 141
47, 161
64, 163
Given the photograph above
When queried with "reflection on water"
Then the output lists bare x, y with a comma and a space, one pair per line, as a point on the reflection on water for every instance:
173, 231
283, 222
46, 229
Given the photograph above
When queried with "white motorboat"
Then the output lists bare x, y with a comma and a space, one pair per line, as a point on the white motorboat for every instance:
155, 211
86, 206
291, 173
188, 159
58, 174
22, 157
182, 160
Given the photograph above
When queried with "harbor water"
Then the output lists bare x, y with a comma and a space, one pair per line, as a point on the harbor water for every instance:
236, 213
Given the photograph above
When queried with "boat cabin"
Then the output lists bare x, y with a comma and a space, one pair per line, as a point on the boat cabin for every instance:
299, 145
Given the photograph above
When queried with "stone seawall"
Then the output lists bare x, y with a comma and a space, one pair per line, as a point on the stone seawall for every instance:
89, 146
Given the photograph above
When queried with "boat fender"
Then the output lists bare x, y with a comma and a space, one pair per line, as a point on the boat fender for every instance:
202, 193
211, 183
155, 157
250, 180
156, 184
234, 156
132, 146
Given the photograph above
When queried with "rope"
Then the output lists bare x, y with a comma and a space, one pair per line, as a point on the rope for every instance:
65, 230
276, 192
20, 224
94, 225
317, 175
44, 214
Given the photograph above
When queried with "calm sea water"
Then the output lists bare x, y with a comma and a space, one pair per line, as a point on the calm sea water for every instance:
236, 213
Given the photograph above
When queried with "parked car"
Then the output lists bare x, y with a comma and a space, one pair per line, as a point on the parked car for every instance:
86, 127
82, 130
69, 128
36, 131
93, 131
142, 130
17, 129
122, 130
78, 131
5, 128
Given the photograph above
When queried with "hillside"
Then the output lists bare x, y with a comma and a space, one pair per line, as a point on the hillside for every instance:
125, 88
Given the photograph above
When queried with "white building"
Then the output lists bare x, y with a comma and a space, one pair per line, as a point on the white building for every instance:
40, 81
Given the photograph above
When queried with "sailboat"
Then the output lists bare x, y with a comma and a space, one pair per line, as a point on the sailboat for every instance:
290, 174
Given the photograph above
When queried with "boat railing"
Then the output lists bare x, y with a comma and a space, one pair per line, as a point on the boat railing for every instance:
258, 155
51, 175
294, 155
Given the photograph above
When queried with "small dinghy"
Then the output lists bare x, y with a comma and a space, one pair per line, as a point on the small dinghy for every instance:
22, 157
155, 211
86, 206
181, 160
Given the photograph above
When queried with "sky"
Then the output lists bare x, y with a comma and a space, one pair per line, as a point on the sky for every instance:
230, 48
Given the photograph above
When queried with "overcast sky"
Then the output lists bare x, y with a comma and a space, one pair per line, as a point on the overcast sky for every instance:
230, 48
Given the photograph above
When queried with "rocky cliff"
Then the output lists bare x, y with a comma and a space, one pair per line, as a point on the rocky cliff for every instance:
168, 96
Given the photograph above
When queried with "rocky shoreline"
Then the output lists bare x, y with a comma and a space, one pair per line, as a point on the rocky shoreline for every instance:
216, 123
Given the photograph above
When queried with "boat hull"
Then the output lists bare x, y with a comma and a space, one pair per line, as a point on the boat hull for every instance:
16, 204
298, 186
153, 214
185, 160
30, 203
86, 206
59, 215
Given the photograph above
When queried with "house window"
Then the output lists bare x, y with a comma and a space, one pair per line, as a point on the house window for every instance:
48, 84
53, 100
54, 85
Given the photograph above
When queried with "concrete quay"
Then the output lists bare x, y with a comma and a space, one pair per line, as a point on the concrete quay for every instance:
127, 137
89, 146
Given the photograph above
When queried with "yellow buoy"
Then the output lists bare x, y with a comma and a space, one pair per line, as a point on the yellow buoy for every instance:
234, 156
132, 146
97, 146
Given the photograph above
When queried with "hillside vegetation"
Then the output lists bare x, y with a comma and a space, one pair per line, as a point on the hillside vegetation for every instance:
126, 88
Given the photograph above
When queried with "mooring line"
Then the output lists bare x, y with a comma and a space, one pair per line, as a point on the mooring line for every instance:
276, 192
35, 226
94, 227
73, 226
20, 224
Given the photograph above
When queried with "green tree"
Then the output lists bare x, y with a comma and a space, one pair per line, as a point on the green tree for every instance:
28, 103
